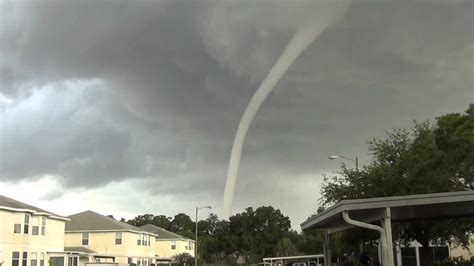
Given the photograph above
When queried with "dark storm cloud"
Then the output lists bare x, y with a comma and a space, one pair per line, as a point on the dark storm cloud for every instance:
103, 91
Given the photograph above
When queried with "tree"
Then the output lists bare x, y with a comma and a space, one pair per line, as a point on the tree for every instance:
256, 232
285, 248
215, 240
183, 259
432, 157
183, 225
162, 221
141, 220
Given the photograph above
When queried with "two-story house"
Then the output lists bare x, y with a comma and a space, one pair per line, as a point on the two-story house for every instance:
105, 239
168, 243
30, 236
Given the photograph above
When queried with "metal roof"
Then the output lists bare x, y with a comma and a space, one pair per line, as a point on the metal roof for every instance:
403, 208
162, 233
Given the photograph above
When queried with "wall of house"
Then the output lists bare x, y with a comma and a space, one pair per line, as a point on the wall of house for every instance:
459, 251
163, 248
34, 245
104, 244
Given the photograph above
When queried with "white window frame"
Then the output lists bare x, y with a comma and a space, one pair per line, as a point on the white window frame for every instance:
15, 227
34, 259
43, 226
87, 239
17, 258
24, 258
26, 224
41, 261
118, 238
173, 245
72, 261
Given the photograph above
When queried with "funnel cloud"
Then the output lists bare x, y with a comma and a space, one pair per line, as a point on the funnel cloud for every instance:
304, 36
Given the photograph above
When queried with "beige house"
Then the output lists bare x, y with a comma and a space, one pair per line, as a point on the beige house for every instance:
459, 251
102, 239
168, 243
30, 236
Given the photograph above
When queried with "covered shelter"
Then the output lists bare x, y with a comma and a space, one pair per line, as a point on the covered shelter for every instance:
379, 213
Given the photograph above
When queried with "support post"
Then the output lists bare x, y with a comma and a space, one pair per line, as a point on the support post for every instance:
196, 242
387, 226
327, 249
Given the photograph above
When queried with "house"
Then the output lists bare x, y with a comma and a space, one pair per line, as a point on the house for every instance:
168, 243
464, 252
103, 239
31, 236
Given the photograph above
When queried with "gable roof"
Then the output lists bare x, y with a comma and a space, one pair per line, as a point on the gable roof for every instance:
92, 221
162, 233
10, 204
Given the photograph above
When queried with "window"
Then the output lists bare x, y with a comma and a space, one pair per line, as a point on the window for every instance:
139, 263
118, 238
139, 241
24, 259
72, 261
173, 244
17, 229
15, 258
143, 240
85, 239
35, 225
34, 259
41, 259
149, 241
26, 226
43, 226
190, 245
35, 230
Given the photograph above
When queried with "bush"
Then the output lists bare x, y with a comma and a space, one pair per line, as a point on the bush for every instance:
183, 259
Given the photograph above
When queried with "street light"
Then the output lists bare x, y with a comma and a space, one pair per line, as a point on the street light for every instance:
196, 244
356, 160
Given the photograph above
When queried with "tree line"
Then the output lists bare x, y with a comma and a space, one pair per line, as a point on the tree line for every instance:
250, 235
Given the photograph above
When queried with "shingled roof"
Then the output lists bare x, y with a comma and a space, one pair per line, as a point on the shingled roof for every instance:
18, 206
92, 221
162, 233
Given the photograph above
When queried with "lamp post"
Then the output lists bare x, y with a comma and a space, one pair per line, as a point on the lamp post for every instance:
196, 237
356, 160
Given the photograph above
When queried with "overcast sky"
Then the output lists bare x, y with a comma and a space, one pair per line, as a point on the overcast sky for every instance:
131, 107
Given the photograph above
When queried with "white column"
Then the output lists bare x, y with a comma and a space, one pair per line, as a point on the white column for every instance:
399, 255
387, 226
327, 250
417, 254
